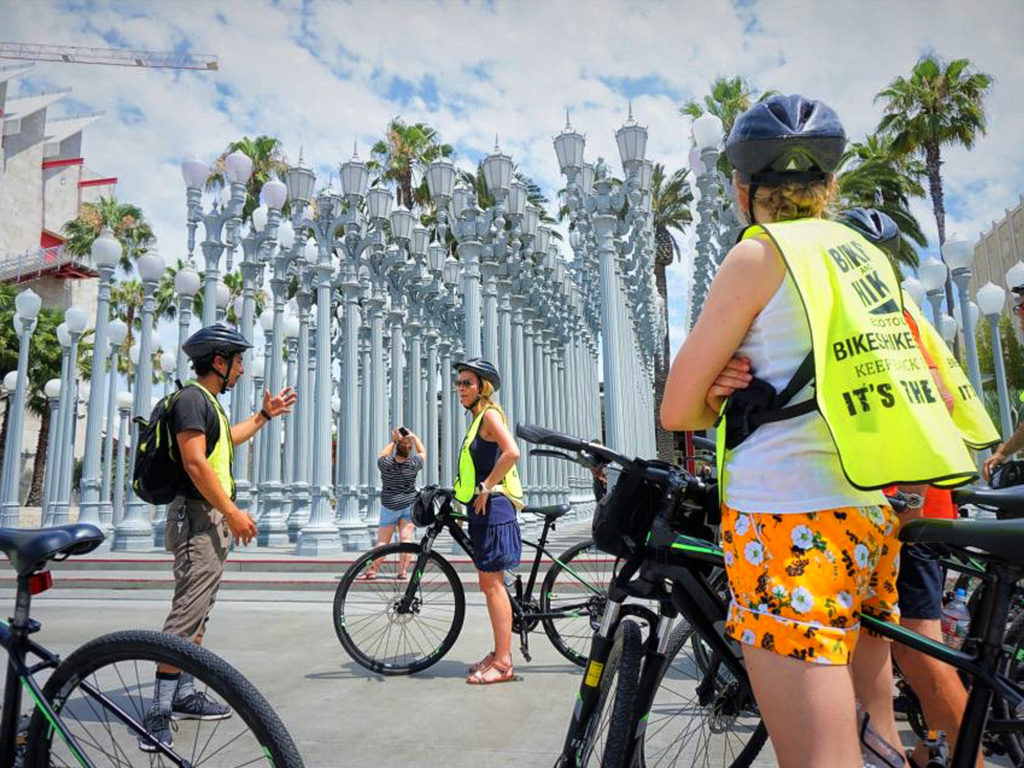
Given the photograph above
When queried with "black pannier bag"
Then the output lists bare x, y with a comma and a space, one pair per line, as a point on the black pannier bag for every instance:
624, 514
1008, 474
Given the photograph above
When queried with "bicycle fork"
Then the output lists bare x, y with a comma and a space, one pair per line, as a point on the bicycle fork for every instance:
655, 662
590, 688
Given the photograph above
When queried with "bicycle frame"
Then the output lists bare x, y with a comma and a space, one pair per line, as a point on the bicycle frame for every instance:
14, 639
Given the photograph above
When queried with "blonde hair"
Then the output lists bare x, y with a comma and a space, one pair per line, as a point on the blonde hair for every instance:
796, 199
487, 397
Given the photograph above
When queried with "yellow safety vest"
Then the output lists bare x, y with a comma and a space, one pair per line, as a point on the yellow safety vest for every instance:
872, 385
465, 483
222, 457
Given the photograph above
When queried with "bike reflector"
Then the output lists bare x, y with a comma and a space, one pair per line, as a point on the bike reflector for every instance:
40, 582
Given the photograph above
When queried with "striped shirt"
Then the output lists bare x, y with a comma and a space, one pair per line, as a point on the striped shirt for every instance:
398, 481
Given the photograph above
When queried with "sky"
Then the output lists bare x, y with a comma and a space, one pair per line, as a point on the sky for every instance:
321, 76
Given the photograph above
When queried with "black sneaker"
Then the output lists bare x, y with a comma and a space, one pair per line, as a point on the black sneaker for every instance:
157, 725
199, 706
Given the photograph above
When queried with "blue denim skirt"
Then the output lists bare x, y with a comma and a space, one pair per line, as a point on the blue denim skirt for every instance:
497, 545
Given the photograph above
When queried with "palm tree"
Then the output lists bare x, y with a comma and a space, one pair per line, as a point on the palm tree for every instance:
728, 99
872, 175
125, 220
126, 305
670, 208
405, 150
267, 161
938, 105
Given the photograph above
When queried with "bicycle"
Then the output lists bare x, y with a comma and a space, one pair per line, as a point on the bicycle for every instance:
92, 710
396, 627
671, 560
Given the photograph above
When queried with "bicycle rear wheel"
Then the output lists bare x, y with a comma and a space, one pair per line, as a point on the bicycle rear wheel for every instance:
384, 632
1011, 740
607, 734
577, 585
701, 715
103, 691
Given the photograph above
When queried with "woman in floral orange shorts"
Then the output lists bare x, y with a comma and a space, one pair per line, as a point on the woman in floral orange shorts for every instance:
806, 552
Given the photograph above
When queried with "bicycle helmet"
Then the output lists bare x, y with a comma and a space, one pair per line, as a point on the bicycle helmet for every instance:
784, 139
214, 340
877, 228
481, 368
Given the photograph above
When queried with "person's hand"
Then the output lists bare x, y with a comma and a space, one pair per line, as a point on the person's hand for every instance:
735, 375
394, 435
480, 502
991, 463
281, 403
242, 527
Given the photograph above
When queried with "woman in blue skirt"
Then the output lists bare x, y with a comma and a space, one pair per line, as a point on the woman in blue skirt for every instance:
488, 484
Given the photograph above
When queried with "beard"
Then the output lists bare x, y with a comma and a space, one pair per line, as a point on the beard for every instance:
402, 450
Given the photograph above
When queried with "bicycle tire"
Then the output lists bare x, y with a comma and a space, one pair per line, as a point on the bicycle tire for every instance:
1012, 741
571, 636
619, 680
662, 747
117, 655
421, 640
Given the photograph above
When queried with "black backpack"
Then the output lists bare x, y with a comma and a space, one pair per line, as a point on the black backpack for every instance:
157, 473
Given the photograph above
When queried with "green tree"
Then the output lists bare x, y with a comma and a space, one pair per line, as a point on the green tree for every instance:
125, 220
126, 306
872, 175
267, 160
728, 98
670, 207
403, 152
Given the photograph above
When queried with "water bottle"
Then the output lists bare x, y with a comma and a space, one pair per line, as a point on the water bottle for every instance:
956, 620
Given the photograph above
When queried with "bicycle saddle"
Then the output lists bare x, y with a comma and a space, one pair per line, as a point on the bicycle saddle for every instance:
29, 549
1003, 539
552, 512
1008, 502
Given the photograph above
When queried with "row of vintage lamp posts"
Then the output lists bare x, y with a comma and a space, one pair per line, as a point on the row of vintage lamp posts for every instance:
381, 298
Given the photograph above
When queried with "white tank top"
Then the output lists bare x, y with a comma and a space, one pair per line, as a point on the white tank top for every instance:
790, 465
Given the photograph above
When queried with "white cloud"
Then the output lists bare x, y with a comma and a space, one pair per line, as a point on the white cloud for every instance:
538, 58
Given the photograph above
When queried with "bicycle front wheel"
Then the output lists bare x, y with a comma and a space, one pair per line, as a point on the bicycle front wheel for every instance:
103, 695
701, 714
576, 588
385, 628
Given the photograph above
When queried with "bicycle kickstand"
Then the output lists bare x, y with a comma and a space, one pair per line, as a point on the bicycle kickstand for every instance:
524, 644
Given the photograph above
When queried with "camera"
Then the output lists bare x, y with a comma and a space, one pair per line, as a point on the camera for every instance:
403, 431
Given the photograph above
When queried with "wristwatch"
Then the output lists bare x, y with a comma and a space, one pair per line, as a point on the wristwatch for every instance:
482, 488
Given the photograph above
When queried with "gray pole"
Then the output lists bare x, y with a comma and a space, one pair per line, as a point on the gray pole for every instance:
1004, 397
273, 527
378, 400
61, 509
505, 351
432, 416
257, 453
490, 310
89, 506
604, 225
122, 437
212, 250
288, 466
397, 363
55, 460
447, 459
469, 254
530, 401
135, 531
415, 329
52, 403
366, 433
299, 490
184, 319
961, 277
106, 500
350, 527
10, 507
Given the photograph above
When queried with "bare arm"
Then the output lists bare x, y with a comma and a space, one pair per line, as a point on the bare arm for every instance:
1004, 452
388, 449
421, 451
746, 281
494, 429
244, 430
275, 406
192, 446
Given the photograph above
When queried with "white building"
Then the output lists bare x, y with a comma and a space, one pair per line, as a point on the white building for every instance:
43, 183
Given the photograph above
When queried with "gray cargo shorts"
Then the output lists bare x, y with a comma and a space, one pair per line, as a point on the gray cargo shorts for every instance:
198, 536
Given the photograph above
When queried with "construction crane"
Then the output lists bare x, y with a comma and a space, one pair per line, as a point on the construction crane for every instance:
76, 54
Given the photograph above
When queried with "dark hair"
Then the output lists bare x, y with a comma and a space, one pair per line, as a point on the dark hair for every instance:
204, 365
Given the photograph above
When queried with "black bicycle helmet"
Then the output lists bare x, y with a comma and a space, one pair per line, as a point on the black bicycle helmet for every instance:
213, 340
481, 368
877, 227
783, 139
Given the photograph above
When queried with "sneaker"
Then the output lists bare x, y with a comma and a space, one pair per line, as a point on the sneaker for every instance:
199, 706
157, 725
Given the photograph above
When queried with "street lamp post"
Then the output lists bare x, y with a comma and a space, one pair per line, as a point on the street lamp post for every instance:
74, 323
186, 285
117, 331
52, 391
55, 457
707, 135
932, 274
106, 252
958, 255
135, 531
991, 300
124, 405
26, 305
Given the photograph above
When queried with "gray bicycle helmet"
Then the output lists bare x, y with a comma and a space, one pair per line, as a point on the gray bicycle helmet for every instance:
877, 228
784, 139
481, 368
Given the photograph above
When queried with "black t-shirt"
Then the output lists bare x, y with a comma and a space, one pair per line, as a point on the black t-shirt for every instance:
192, 410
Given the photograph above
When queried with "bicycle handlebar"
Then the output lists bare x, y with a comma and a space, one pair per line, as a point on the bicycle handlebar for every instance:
531, 433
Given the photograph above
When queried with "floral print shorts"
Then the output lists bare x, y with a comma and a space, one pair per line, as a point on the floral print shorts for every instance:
799, 581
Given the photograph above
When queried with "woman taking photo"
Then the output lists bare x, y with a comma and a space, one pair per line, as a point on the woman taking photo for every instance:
488, 484
804, 323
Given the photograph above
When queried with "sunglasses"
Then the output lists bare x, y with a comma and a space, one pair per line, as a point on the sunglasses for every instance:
464, 383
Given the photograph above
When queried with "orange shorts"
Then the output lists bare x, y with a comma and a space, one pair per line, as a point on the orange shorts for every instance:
799, 581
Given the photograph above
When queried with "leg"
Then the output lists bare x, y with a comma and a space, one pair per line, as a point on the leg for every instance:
807, 708
384, 533
871, 670
937, 685
405, 532
500, 611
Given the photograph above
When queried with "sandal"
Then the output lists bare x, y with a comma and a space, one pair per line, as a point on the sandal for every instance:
495, 673
481, 665
403, 576
367, 576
